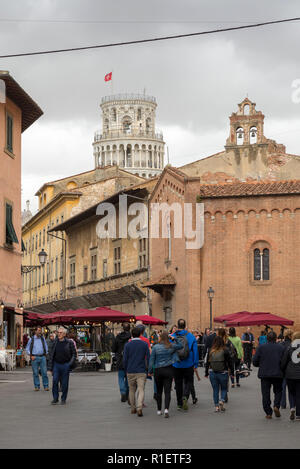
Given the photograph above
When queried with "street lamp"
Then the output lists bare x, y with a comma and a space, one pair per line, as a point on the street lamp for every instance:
210, 294
29, 268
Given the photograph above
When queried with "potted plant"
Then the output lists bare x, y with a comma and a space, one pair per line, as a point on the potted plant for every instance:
105, 358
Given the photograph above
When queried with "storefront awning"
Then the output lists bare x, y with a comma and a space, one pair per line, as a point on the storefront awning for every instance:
124, 295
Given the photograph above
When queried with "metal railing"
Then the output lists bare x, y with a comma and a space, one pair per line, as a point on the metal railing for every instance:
128, 96
132, 134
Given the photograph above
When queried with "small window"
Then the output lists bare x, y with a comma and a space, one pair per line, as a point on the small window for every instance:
9, 133
117, 260
104, 268
94, 267
72, 273
85, 273
11, 236
142, 253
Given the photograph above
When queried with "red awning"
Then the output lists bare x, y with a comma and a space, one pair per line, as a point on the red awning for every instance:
245, 318
150, 320
83, 315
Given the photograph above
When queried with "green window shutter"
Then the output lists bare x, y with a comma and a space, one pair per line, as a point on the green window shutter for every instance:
9, 133
23, 246
11, 236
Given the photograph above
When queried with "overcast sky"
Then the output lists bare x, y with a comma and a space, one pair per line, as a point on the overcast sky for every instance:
197, 81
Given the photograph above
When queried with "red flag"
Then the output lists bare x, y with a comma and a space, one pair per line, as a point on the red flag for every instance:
108, 77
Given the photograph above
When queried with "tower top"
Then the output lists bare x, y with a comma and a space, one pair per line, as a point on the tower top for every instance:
246, 125
128, 97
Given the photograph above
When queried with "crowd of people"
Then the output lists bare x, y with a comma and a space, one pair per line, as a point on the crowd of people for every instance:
171, 359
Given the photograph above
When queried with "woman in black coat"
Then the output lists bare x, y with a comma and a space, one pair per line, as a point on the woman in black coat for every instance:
290, 365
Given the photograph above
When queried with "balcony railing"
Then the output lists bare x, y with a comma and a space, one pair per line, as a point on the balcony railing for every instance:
129, 134
128, 96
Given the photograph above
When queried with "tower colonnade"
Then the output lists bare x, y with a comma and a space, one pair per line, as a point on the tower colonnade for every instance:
129, 138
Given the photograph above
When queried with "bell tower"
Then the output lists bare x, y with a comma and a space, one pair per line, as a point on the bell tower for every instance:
246, 126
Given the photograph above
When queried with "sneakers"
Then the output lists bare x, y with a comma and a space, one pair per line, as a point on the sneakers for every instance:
46, 389
238, 385
55, 401
166, 413
277, 412
268, 417
233, 386
185, 404
221, 405
133, 411
36, 389
159, 412
293, 414
140, 413
179, 407
123, 398
195, 400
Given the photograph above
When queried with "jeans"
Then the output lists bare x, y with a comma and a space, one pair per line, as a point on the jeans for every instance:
237, 364
137, 382
291, 396
266, 384
163, 380
123, 383
40, 363
219, 382
294, 391
60, 374
183, 382
248, 353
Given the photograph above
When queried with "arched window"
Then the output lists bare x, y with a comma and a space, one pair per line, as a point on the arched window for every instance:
261, 264
239, 136
246, 110
127, 125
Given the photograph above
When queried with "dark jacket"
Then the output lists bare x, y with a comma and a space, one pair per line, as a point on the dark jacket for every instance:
267, 358
118, 347
290, 369
136, 356
70, 354
208, 342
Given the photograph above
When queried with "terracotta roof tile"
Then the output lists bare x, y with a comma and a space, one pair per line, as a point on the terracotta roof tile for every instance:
248, 189
165, 280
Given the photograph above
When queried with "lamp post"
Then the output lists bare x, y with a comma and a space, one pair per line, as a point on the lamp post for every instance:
29, 268
210, 294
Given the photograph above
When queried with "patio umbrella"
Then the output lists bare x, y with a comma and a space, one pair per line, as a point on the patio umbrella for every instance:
150, 320
231, 316
260, 319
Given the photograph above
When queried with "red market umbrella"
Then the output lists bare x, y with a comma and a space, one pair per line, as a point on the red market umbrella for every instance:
150, 320
259, 319
231, 316
84, 315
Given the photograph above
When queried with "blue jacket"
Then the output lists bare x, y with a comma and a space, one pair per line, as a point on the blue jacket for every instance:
267, 358
136, 356
162, 356
193, 358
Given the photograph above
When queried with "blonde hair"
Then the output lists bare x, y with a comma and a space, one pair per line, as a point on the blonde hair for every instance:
288, 333
296, 335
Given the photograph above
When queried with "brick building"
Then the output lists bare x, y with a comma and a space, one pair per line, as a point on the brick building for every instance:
251, 250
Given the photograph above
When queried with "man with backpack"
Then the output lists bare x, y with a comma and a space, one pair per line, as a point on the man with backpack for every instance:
37, 349
118, 348
184, 368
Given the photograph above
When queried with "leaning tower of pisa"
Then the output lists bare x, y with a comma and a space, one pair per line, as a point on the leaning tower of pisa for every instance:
128, 137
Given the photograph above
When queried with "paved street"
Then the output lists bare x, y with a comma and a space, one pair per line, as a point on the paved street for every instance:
94, 417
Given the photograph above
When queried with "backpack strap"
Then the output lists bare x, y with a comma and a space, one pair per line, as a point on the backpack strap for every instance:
31, 344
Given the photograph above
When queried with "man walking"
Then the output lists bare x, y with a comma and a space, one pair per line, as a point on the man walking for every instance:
136, 361
248, 343
118, 348
267, 358
61, 361
37, 350
184, 369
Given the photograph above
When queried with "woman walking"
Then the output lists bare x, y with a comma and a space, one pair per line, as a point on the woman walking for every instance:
290, 365
163, 355
237, 343
219, 362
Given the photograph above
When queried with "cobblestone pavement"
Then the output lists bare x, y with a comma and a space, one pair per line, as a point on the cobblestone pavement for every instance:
94, 417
